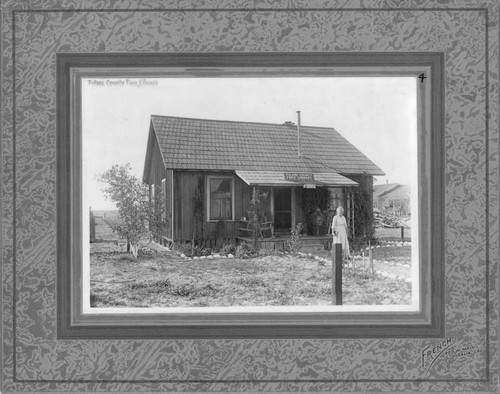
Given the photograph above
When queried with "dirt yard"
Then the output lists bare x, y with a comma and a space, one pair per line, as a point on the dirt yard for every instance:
117, 279
161, 278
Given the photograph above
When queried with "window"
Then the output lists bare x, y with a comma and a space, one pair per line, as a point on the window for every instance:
220, 204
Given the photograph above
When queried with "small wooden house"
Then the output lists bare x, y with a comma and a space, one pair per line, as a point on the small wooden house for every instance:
392, 198
207, 170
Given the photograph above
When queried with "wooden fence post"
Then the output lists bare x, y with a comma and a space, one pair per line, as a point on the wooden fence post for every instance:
402, 234
370, 254
92, 225
337, 274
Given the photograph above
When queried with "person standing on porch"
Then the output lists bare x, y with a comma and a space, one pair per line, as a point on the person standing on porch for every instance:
339, 230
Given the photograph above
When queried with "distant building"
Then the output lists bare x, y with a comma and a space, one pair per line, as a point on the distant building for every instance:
392, 198
224, 160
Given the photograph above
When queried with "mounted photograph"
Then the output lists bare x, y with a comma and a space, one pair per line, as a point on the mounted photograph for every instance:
250, 193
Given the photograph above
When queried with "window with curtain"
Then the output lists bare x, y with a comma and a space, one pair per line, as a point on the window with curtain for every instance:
221, 203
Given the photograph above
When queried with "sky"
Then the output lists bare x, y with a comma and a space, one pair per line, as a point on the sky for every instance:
376, 114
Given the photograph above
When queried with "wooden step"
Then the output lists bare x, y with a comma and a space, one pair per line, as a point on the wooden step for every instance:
312, 247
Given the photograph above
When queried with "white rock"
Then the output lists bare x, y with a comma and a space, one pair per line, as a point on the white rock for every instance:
230, 256
210, 257
196, 258
183, 255
216, 255
203, 257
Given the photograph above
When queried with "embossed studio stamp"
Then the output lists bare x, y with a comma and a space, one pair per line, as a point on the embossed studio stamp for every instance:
431, 353
447, 348
463, 351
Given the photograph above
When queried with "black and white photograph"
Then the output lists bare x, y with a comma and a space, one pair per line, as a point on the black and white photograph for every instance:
235, 196
233, 193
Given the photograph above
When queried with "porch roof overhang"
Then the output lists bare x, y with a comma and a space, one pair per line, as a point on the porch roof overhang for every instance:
275, 178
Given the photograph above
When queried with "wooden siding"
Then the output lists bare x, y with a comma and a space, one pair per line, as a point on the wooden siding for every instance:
157, 170
156, 173
365, 183
169, 202
185, 184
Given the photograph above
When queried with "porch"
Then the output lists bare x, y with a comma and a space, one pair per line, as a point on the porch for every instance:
310, 243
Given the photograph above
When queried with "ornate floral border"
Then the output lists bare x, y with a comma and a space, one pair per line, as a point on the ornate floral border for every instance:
34, 360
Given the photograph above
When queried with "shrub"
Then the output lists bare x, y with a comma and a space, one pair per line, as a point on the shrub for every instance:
206, 252
183, 248
294, 244
228, 249
244, 250
361, 242
146, 252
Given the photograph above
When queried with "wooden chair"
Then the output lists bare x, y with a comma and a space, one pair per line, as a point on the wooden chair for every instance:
263, 228
266, 226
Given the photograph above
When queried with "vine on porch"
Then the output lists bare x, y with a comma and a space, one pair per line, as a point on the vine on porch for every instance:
312, 201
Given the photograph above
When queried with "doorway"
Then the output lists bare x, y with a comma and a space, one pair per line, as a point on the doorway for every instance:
282, 209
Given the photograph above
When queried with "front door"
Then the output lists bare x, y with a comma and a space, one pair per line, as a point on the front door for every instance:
283, 209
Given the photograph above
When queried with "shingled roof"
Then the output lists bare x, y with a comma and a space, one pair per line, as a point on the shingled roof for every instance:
202, 144
392, 190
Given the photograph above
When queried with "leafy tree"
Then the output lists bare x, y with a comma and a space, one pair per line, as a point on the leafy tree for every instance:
158, 218
137, 216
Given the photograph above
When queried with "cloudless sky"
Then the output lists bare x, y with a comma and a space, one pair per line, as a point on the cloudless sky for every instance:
377, 115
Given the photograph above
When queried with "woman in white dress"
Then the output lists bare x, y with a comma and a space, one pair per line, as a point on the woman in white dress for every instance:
339, 230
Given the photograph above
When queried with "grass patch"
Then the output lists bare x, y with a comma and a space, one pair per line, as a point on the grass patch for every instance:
165, 280
166, 286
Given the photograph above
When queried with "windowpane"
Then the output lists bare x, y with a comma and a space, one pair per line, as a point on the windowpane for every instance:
220, 199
